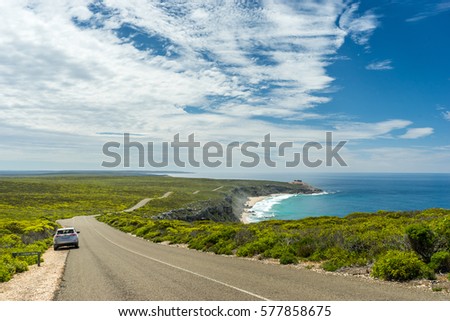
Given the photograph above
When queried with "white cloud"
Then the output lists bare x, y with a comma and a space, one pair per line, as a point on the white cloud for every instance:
237, 66
413, 133
380, 65
360, 27
446, 115
431, 9
84, 80
371, 130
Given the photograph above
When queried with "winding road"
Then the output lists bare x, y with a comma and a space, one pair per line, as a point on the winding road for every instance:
145, 201
112, 265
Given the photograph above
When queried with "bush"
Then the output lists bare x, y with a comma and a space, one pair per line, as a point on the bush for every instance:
288, 258
306, 247
333, 264
279, 250
5, 274
20, 266
440, 262
400, 266
7, 268
259, 246
223, 247
422, 240
9, 241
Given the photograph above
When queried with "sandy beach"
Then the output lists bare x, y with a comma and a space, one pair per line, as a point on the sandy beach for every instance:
251, 201
248, 205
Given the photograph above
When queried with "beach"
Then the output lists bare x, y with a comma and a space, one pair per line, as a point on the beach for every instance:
251, 201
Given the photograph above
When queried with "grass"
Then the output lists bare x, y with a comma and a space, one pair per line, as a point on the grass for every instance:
30, 206
56, 197
359, 239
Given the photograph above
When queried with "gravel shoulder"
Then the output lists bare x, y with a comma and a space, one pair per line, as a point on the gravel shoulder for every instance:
38, 283
114, 266
43, 283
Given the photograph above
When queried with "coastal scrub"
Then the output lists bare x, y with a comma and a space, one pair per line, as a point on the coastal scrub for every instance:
359, 239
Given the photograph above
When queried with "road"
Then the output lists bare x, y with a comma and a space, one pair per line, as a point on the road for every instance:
112, 265
145, 201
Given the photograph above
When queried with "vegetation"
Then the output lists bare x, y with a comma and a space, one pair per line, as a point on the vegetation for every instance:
397, 242
30, 206
400, 266
56, 197
440, 262
422, 240
399, 245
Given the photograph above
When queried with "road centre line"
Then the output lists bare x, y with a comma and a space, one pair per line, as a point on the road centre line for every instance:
184, 270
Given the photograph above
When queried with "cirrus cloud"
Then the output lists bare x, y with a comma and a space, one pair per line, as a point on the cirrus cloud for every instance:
380, 65
413, 133
72, 69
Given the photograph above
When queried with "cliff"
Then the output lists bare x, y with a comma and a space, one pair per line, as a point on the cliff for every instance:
231, 206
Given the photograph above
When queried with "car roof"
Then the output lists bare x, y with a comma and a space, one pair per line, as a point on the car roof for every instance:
66, 228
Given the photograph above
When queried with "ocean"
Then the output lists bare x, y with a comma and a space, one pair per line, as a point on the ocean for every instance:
348, 193
343, 193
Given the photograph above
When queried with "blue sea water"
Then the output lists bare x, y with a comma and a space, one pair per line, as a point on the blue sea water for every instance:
347, 193
344, 193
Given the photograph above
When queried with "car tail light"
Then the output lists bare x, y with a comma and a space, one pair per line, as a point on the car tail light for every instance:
73, 234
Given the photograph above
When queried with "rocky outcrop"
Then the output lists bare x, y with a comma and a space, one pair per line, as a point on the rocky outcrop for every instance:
230, 208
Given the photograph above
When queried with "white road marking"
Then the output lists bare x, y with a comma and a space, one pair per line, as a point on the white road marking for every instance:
183, 269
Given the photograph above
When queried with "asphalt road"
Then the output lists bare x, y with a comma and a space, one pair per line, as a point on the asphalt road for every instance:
112, 265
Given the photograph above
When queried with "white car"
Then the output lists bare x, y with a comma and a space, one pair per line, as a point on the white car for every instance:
67, 236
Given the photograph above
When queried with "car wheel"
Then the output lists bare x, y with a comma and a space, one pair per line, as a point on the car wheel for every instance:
76, 246
55, 248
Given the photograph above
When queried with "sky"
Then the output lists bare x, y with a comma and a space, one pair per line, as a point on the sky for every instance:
78, 74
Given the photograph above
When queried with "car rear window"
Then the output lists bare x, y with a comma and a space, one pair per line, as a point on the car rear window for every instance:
70, 231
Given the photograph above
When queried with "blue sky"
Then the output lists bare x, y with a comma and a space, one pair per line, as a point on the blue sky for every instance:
77, 74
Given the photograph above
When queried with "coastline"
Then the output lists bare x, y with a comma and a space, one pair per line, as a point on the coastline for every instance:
246, 210
251, 201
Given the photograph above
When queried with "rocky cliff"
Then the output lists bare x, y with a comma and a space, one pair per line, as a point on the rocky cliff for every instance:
231, 206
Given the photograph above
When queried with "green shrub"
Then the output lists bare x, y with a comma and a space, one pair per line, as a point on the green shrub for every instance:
259, 246
400, 266
218, 240
7, 268
20, 266
142, 231
243, 236
440, 262
443, 231
306, 247
278, 250
10, 241
422, 240
15, 227
288, 258
5, 273
333, 264
223, 247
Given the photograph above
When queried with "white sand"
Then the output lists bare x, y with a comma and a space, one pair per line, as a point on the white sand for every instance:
251, 201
